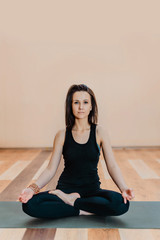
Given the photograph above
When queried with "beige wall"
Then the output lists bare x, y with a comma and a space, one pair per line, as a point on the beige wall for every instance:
112, 46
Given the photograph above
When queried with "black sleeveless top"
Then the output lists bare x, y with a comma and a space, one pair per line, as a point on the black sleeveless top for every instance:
80, 162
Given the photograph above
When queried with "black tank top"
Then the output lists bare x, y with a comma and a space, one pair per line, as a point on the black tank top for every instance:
80, 162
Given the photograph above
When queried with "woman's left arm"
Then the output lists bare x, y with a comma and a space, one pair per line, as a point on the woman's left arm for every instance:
112, 166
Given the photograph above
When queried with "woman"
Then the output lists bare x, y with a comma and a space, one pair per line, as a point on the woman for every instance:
78, 190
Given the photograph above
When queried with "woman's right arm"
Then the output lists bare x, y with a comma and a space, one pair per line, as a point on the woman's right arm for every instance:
51, 169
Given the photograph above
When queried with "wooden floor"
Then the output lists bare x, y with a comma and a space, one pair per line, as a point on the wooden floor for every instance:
140, 168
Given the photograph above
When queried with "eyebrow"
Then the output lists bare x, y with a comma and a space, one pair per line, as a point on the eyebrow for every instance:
78, 100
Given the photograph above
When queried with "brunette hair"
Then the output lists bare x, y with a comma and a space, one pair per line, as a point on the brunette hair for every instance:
69, 117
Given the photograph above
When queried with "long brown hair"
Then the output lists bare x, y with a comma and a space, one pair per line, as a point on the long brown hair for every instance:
69, 117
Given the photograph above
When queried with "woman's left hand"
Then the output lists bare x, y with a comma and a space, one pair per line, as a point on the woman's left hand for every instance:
127, 194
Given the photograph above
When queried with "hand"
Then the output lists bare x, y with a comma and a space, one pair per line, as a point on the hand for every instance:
25, 195
127, 194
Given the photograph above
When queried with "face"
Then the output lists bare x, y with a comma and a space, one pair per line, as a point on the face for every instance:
81, 104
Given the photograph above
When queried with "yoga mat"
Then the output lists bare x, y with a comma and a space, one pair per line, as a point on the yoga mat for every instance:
141, 215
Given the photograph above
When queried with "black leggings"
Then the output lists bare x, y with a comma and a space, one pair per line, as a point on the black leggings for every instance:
101, 202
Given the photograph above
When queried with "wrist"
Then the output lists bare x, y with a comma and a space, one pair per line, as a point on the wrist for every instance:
34, 187
123, 189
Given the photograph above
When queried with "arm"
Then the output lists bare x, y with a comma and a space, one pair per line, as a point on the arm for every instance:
51, 169
111, 164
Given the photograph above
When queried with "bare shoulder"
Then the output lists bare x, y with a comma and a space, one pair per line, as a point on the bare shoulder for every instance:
60, 135
99, 130
102, 132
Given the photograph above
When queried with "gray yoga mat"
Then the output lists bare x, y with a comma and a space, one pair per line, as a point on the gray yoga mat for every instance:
140, 215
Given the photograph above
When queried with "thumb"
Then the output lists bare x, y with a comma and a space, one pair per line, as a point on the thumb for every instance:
23, 191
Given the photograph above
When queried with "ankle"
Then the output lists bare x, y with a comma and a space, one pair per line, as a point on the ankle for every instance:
75, 198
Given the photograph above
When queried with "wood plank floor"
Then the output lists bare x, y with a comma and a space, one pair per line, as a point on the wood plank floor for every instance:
140, 169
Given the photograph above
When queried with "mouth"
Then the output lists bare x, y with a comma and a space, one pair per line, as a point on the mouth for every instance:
80, 112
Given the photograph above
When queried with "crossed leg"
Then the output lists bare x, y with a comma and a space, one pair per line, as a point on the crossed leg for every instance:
102, 202
69, 199
45, 205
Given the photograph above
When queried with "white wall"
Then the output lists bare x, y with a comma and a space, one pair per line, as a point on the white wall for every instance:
111, 46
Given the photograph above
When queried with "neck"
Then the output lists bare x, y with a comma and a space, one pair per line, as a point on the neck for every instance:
81, 126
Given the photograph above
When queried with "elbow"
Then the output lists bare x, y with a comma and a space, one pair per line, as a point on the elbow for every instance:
112, 167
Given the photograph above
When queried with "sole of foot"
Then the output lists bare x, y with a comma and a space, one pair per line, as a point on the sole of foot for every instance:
68, 198
85, 213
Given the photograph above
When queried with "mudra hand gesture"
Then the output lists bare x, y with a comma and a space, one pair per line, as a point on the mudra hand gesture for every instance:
25, 195
128, 194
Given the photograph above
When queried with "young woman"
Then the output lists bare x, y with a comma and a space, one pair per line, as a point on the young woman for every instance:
78, 190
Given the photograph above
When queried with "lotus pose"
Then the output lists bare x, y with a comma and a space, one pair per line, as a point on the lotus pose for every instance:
78, 190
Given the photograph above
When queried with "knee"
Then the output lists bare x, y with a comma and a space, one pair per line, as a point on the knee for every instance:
122, 208
25, 207
125, 207
29, 207
118, 205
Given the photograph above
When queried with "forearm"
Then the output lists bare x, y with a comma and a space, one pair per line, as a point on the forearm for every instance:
44, 178
117, 177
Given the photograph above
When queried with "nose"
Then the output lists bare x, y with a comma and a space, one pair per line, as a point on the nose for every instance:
80, 106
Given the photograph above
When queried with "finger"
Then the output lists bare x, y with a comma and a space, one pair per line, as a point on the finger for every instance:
23, 198
131, 196
124, 194
22, 194
125, 200
132, 193
51, 192
22, 191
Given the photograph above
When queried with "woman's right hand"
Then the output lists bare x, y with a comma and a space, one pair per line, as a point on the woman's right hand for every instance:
25, 195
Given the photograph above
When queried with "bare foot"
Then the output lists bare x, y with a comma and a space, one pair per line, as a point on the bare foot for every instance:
68, 198
85, 213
